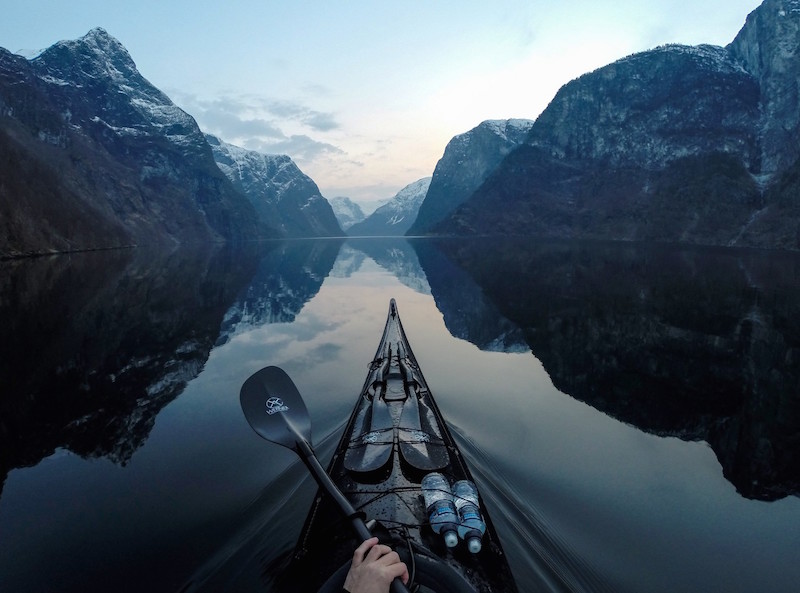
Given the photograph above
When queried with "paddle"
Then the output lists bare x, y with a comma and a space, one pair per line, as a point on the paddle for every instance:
275, 409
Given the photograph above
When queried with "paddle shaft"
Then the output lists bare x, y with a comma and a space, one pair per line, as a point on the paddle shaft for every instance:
325, 482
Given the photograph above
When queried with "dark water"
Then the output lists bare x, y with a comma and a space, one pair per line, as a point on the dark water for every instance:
631, 413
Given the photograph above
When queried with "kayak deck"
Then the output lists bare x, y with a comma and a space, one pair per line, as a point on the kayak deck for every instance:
394, 437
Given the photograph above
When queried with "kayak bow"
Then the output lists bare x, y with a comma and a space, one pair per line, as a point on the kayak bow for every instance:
395, 436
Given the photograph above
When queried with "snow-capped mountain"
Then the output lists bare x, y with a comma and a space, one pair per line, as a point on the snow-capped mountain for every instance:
396, 216
347, 211
86, 69
468, 160
278, 190
96, 156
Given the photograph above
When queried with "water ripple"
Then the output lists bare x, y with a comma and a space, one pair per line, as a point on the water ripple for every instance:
540, 558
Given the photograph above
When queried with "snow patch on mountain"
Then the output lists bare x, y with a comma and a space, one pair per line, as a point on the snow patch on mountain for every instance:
508, 127
251, 168
406, 202
714, 57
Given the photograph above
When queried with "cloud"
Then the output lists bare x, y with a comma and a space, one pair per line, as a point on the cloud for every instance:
230, 125
253, 116
300, 147
270, 126
322, 122
290, 110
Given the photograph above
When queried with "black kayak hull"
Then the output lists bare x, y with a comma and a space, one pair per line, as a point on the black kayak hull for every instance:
395, 436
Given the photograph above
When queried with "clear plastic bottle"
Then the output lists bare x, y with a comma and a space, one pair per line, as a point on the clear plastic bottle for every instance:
440, 507
471, 525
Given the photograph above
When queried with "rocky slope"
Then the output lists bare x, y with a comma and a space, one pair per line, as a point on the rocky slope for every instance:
95, 156
695, 144
278, 189
468, 160
396, 216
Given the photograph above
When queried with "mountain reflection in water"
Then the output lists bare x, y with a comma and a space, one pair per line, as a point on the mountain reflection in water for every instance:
94, 345
96, 349
694, 343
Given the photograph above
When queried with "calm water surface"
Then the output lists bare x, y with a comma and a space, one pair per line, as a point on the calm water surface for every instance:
631, 413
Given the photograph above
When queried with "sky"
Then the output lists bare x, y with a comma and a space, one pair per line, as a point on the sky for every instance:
365, 95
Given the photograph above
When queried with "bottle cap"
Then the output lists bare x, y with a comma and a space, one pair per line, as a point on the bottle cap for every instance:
474, 545
451, 539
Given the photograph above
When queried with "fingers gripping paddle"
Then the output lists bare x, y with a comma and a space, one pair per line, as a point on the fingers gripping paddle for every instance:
275, 409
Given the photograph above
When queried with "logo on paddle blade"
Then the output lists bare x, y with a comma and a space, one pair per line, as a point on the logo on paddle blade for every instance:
275, 405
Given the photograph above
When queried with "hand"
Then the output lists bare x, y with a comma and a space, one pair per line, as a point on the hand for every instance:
374, 568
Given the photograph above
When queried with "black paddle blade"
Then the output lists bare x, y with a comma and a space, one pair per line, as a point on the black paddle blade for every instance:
275, 409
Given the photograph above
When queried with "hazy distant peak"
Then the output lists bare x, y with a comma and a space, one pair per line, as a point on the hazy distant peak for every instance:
347, 211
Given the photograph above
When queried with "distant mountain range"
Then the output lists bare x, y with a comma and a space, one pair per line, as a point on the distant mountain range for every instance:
697, 144
679, 144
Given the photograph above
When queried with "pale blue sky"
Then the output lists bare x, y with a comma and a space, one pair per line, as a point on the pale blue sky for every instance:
364, 96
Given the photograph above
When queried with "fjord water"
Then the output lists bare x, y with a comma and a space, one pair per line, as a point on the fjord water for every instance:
631, 413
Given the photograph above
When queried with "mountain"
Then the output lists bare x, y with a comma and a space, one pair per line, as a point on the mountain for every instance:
396, 216
694, 144
468, 159
278, 189
347, 212
95, 156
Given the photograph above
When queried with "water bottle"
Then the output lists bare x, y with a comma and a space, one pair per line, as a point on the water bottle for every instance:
471, 525
440, 507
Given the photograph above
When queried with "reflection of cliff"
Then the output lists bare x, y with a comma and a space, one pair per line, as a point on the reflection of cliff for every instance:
287, 278
467, 313
695, 344
94, 345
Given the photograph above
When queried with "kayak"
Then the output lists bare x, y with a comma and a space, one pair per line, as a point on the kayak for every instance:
395, 436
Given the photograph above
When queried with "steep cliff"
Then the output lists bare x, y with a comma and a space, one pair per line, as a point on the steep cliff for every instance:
768, 47
468, 160
95, 156
693, 144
